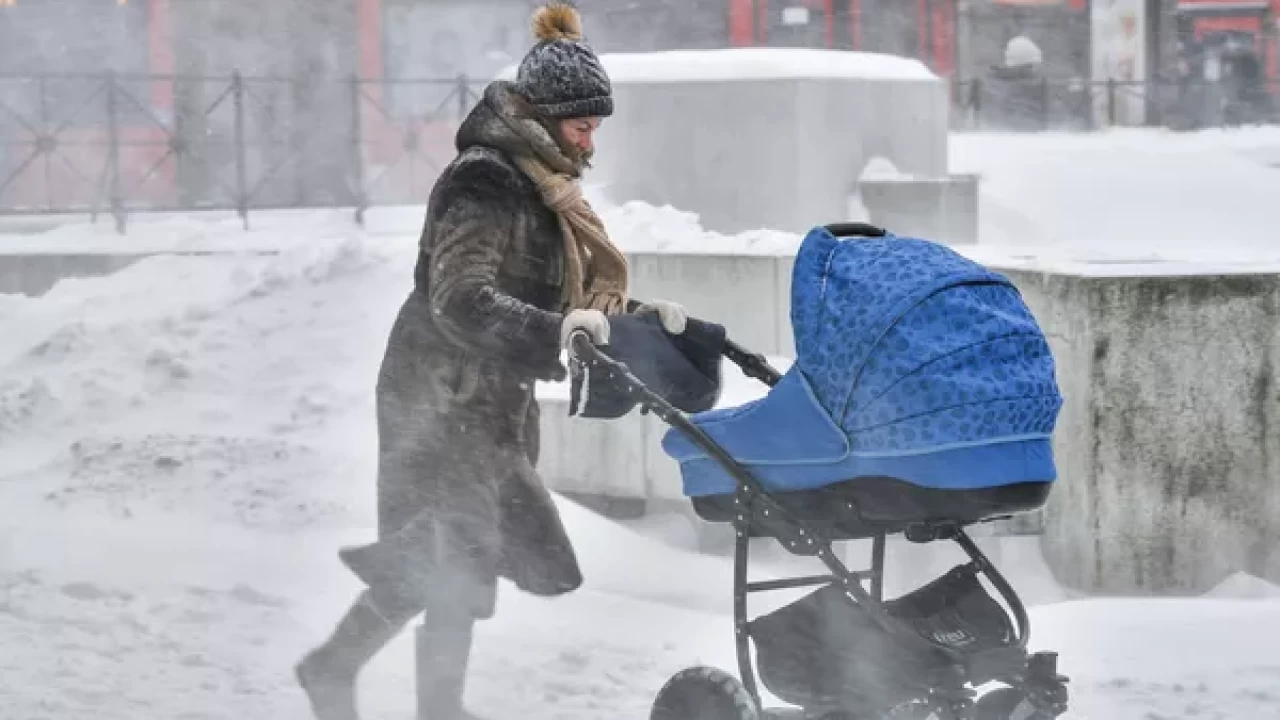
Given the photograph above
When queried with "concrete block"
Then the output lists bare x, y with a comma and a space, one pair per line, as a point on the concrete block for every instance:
594, 457
940, 209
24, 271
35, 274
1168, 441
662, 474
799, 140
748, 294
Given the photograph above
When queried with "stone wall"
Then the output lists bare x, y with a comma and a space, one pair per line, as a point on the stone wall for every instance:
1169, 440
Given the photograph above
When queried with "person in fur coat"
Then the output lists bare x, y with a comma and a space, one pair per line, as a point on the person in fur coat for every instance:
512, 260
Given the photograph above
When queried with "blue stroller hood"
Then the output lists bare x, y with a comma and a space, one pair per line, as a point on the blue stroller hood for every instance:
912, 362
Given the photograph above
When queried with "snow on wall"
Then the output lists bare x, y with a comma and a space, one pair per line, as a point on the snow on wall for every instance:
664, 230
730, 64
760, 64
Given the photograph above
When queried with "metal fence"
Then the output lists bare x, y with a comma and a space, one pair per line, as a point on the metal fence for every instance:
1046, 104
121, 144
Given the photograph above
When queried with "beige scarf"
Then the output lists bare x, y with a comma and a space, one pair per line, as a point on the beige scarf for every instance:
596, 271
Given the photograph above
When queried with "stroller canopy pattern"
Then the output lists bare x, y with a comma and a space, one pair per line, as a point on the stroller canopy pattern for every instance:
912, 362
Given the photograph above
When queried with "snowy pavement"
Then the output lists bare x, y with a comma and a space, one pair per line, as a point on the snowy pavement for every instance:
112, 624
185, 445
209, 630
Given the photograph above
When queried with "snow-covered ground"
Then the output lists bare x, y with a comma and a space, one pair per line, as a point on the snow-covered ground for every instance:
1129, 195
185, 444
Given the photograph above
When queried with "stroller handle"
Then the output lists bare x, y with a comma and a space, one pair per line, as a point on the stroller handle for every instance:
753, 365
854, 229
581, 346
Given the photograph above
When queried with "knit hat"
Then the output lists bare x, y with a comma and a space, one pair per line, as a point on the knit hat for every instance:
560, 75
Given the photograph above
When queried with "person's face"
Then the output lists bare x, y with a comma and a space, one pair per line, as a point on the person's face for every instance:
579, 134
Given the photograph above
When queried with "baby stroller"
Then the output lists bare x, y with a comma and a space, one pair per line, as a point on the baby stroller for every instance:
922, 400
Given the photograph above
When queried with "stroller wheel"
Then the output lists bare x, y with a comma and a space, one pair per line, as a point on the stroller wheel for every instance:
703, 693
999, 704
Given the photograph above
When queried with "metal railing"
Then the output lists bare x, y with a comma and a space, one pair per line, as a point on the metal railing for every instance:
1054, 104
403, 133
120, 144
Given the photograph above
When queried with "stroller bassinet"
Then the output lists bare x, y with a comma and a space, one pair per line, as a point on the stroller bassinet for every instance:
922, 389
923, 399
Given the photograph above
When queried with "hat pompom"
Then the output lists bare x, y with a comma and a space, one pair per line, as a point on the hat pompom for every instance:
557, 21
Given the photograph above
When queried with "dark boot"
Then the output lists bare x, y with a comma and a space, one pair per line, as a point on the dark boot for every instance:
443, 654
328, 673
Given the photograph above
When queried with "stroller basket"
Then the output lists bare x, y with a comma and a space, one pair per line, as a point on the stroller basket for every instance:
826, 651
879, 428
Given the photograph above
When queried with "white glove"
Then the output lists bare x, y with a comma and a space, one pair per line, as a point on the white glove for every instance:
593, 322
672, 315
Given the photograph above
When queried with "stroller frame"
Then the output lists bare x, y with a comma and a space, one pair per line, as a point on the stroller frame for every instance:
1041, 691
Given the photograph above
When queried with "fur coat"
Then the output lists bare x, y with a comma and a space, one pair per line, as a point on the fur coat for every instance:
459, 500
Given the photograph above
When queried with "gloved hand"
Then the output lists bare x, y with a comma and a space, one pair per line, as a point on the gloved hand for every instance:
593, 322
673, 316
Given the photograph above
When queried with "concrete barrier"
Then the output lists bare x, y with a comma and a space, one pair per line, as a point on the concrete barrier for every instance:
766, 138
34, 274
941, 209
748, 294
1169, 442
